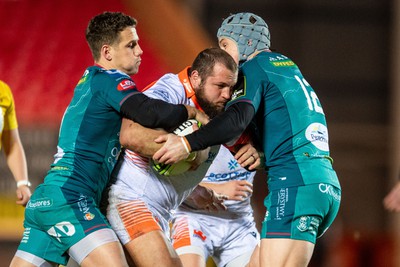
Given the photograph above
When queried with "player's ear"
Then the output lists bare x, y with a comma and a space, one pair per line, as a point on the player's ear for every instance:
195, 78
106, 52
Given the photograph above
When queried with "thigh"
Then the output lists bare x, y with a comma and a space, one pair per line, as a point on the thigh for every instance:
190, 237
93, 244
105, 255
37, 248
130, 216
50, 218
280, 252
152, 249
238, 243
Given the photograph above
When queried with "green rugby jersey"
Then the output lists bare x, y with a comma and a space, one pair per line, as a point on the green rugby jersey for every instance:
292, 123
88, 143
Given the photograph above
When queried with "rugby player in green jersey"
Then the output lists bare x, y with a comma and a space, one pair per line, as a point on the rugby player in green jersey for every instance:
62, 218
304, 191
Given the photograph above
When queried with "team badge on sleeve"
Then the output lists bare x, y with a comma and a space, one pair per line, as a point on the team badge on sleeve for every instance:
240, 87
126, 85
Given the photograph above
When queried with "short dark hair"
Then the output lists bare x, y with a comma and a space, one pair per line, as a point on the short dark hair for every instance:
205, 61
105, 28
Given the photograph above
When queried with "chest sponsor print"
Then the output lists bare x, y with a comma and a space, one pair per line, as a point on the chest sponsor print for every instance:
317, 134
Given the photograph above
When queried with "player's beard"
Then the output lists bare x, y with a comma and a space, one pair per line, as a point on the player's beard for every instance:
208, 107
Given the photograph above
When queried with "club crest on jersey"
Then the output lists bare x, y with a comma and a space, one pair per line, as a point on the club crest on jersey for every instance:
240, 88
89, 216
126, 85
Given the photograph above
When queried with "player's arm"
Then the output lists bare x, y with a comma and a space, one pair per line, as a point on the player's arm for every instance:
205, 198
16, 161
392, 200
220, 130
235, 189
154, 113
224, 127
249, 157
138, 138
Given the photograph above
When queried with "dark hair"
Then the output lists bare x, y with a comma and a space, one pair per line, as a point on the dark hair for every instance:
205, 61
105, 28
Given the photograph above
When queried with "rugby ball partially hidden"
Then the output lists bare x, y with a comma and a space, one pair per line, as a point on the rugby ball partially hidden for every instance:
185, 128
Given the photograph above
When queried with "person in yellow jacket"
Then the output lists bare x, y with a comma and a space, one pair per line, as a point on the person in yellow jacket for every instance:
12, 146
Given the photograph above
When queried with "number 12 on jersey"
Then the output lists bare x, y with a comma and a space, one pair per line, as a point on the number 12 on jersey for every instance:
312, 98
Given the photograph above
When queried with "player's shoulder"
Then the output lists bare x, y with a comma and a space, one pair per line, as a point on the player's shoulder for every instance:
274, 60
4, 88
112, 74
168, 88
170, 82
113, 78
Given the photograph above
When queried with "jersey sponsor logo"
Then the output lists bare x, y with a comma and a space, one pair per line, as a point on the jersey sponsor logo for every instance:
278, 58
232, 164
25, 236
40, 203
126, 85
240, 88
330, 190
283, 196
238, 93
281, 61
237, 175
84, 77
60, 168
200, 234
62, 229
286, 63
114, 153
317, 134
163, 94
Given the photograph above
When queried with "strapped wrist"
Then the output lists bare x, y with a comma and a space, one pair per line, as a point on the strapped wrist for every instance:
23, 182
186, 144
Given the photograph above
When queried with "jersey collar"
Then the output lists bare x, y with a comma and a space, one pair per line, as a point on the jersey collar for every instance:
190, 93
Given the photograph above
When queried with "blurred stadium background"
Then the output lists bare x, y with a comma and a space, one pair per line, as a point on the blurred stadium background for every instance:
348, 50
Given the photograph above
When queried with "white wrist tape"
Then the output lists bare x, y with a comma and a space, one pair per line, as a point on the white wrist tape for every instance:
185, 145
23, 182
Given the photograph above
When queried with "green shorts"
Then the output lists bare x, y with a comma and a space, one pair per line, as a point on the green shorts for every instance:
302, 213
56, 220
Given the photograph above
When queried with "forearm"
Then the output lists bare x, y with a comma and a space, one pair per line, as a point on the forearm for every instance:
15, 156
139, 139
223, 128
154, 113
16, 161
213, 186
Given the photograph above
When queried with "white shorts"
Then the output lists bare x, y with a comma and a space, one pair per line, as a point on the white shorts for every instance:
141, 200
130, 216
225, 240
